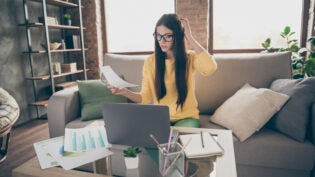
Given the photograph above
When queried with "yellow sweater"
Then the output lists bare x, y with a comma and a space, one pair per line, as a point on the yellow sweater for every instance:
203, 63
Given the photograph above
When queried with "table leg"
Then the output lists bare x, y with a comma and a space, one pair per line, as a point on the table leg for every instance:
102, 166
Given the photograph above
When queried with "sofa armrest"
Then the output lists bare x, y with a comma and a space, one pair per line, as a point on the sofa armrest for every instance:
63, 107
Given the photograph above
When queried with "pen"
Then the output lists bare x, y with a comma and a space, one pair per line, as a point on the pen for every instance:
168, 149
201, 136
154, 139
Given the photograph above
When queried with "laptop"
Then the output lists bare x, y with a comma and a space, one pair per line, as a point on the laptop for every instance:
131, 124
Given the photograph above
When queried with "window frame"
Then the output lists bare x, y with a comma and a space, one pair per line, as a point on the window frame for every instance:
303, 37
302, 40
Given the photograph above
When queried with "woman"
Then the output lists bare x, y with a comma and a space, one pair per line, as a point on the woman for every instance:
168, 74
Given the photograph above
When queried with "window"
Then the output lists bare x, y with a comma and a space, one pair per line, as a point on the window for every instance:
245, 24
240, 25
130, 24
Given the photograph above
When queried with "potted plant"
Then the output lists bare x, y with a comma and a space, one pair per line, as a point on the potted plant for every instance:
131, 157
67, 18
303, 59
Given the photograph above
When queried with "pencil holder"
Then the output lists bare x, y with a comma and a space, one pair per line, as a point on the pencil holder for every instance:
171, 160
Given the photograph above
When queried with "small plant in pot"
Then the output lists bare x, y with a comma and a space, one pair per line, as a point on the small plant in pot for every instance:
131, 157
67, 18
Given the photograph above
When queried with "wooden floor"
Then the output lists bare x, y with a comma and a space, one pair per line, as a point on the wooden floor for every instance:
21, 144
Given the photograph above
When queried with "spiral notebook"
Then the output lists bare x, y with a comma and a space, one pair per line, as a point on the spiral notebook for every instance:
201, 145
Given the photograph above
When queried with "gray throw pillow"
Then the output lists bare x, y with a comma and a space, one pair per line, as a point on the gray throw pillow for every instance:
294, 116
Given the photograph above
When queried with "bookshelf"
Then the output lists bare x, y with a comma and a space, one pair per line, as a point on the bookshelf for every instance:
61, 80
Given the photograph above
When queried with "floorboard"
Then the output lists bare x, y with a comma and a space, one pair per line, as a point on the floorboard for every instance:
21, 143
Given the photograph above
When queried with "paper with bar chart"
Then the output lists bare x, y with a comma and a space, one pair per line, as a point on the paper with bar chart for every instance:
85, 139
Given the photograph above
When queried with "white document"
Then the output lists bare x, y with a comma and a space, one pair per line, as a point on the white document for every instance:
51, 153
42, 149
70, 160
114, 80
85, 139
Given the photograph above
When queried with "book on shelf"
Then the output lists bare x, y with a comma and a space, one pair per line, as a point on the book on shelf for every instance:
69, 67
201, 145
73, 42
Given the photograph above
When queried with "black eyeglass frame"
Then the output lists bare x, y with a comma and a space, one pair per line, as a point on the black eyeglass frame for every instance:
155, 35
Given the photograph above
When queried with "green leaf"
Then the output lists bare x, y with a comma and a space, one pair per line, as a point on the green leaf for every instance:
298, 76
294, 48
286, 30
132, 151
291, 33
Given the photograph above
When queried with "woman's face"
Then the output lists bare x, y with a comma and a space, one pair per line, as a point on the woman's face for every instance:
165, 37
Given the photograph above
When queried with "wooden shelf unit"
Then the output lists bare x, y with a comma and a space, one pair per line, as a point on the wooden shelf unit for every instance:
66, 79
46, 77
56, 51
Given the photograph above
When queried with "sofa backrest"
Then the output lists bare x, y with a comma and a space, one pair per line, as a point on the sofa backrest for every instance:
234, 70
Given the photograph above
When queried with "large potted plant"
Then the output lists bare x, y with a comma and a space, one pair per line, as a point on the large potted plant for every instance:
303, 59
132, 157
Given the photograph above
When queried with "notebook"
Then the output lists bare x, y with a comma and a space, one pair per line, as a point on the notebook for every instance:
131, 123
201, 145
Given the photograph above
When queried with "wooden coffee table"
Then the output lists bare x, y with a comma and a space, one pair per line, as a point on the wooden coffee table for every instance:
32, 168
224, 165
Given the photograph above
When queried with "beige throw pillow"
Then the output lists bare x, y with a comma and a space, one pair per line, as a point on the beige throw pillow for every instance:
248, 110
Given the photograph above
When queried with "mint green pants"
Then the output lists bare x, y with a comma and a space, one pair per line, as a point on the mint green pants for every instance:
187, 122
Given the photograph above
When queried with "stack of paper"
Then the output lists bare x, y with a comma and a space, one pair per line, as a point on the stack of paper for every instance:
52, 152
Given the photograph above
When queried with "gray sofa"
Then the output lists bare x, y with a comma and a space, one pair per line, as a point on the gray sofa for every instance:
267, 153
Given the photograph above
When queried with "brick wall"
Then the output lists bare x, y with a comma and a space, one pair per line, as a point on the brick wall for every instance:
197, 13
93, 37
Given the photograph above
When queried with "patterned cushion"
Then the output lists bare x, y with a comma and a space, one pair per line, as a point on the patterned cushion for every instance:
9, 109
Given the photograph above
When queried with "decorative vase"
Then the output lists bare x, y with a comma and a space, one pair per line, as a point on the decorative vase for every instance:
132, 162
69, 22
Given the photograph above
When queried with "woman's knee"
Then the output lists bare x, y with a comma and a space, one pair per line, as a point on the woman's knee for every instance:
188, 122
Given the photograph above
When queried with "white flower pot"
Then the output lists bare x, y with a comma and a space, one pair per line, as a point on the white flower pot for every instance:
132, 162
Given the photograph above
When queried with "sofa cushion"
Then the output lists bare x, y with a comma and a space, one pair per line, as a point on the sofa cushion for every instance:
294, 117
269, 148
92, 93
248, 110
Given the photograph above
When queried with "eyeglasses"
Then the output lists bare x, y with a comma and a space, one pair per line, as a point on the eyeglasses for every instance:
166, 37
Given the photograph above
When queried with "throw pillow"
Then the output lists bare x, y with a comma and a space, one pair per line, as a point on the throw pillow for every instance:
248, 110
92, 93
294, 117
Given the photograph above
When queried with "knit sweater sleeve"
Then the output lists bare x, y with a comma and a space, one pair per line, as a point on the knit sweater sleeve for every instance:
204, 63
146, 95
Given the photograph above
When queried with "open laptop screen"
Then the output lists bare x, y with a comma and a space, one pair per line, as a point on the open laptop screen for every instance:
131, 123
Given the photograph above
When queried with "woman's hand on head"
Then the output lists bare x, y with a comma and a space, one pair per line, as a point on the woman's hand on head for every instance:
186, 27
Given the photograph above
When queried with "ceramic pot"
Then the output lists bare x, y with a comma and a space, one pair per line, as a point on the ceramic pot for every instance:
132, 162
68, 22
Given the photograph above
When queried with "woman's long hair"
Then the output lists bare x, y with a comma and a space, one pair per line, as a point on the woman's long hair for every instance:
172, 22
